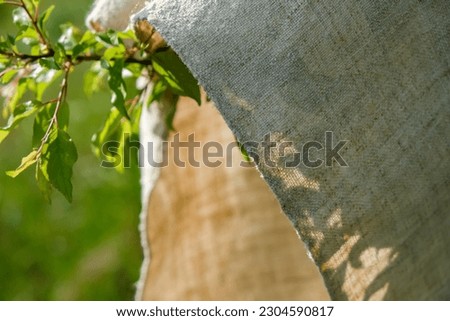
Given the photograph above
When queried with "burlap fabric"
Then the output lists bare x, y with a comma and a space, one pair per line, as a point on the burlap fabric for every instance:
375, 74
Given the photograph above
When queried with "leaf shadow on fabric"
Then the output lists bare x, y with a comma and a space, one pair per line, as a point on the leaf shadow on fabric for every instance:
361, 252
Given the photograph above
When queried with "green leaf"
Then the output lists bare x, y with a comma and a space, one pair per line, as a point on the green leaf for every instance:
27, 161
170, 114
8, 76
159, 88
88, 38
87, 44
116, 52
45, 16
3, 134
117, 86
29, 32
175, 73
135, 69
244, 152
110, 38
5, 45
135, 120
19, 92
94, 79
41, 123
28, 37
124, 149
63, 116
119, 132
162, 92
49, 63
128, 35
109, 132
62, 155
43, 180
60, 55
11, 41
20, 113
43, 118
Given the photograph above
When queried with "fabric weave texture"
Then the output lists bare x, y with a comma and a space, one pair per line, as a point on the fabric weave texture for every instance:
376, 75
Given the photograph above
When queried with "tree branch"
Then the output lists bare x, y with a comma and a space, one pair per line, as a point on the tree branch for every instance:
77, 59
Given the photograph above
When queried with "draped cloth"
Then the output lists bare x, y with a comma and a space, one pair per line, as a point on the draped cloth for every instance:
369, 79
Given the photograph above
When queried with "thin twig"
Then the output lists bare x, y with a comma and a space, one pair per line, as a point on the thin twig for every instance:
36, 27
13, 3
59, 101
36, 12
128, 60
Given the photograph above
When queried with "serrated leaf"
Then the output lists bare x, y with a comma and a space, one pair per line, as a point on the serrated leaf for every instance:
62, 155
175, 73
27, 161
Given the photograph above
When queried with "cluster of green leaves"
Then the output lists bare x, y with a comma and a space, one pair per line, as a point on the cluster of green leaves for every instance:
31, 67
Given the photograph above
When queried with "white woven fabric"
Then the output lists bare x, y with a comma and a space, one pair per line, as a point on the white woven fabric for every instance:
112, 14
376, 74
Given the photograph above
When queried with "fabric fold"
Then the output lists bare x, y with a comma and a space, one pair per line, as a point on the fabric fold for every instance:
351, 101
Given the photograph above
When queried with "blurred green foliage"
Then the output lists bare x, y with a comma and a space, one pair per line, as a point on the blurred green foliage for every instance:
87, 250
